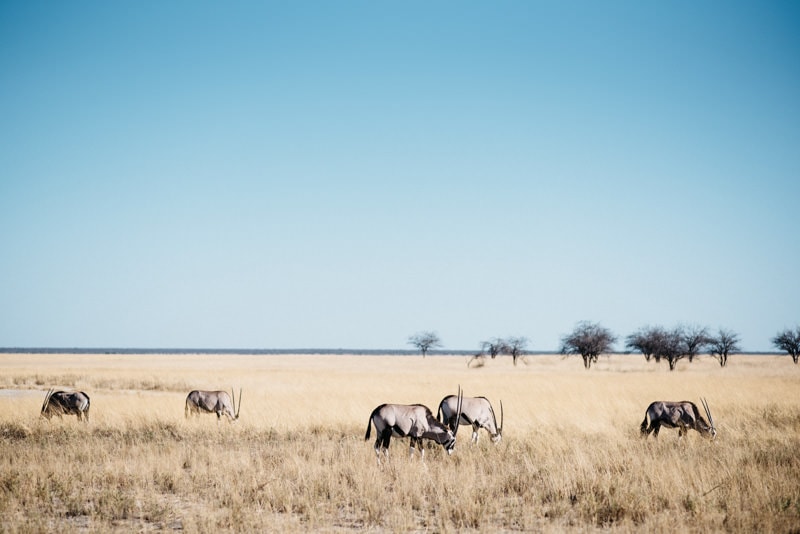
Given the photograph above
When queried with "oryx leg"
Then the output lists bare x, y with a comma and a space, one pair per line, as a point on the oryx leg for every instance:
655, 428
418, 443
382, 443
475, 428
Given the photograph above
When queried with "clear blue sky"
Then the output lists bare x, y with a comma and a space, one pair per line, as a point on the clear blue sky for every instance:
345, 174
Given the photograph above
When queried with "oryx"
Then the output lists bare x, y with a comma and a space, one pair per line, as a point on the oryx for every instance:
218, 402
66, 403
475, 411
681, 415
415, 421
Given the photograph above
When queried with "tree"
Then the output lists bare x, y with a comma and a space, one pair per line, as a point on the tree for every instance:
590, 340
646, 340
788, 340
513, 346
493, 347
694, 339
671, 347
424, 341
724, 343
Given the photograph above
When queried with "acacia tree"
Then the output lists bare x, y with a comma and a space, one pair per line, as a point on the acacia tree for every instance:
513, 346
494, 346
671, 347
424, 341
724, 343
788, 340
646, 340
694, 338
590, 340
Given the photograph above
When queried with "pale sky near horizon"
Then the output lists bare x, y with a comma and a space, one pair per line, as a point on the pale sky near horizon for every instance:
346, 174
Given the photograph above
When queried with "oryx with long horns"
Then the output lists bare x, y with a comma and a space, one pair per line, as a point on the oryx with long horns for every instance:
62, 403
475, 411
414, 421
682, 415
218, 402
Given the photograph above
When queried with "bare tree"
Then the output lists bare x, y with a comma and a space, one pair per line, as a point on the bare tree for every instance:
723, 344
657, 343
646, 340
424, 341
788, 340
671, 347
590, 340
478, 359
514, 347
694, 338
493, 347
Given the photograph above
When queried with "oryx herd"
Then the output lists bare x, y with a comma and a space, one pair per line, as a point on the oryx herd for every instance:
413, 421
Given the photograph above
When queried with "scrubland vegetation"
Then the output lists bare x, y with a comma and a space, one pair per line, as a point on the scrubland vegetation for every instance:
571, 459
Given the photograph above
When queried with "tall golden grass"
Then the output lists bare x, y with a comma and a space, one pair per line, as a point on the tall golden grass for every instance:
571, 459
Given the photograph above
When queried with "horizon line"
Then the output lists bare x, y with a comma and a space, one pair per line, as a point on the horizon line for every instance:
294, 351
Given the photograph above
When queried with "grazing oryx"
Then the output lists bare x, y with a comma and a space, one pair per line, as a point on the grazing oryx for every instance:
414, 421
681, 415
63, 402
475, 411
218, 402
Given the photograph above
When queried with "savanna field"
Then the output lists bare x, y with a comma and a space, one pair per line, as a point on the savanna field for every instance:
571, 459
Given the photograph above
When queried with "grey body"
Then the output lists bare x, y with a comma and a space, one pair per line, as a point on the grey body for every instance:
476, 412
682, 415
62, 403
218, 402
414, 421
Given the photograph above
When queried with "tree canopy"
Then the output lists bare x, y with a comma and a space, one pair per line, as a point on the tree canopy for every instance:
424, 341
590, 340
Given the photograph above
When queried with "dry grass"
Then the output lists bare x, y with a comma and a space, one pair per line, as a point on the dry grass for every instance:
571, 457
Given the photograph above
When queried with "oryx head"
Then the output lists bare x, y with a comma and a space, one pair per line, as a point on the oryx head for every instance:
450, 443
499, 436
46, 411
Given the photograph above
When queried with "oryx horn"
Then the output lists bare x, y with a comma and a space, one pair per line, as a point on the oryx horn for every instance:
235, 407
47, 398
708, 412
500, 430
458, 410
239, 407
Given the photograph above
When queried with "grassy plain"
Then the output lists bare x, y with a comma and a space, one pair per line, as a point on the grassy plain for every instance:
571, 458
